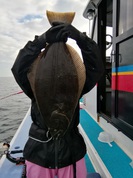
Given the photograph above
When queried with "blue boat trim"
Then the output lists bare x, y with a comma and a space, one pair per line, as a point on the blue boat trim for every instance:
123, 69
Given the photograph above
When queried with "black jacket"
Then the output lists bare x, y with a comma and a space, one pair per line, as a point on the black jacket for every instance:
71, 148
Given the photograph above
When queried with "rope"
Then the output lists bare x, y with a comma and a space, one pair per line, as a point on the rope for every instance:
44, 141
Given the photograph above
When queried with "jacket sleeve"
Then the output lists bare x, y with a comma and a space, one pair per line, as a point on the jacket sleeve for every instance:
25, 58
92, 61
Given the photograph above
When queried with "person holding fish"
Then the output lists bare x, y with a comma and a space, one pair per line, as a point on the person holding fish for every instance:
50, 77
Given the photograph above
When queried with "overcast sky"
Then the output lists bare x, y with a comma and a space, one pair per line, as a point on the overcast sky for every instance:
21, 20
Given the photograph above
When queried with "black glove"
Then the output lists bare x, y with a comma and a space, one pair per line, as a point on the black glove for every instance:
51, 34
67, 30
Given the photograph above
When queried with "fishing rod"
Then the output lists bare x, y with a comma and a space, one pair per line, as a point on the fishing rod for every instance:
11, 95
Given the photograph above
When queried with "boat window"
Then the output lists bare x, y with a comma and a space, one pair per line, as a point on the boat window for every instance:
109, 40
108, 69
125, 16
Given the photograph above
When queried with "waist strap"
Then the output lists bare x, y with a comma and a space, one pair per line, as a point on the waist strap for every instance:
38, 134
43, 136
41, 141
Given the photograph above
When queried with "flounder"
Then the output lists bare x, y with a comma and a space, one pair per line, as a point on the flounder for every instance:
57, 78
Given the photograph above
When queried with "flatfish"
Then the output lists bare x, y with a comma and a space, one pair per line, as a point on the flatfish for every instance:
57, 78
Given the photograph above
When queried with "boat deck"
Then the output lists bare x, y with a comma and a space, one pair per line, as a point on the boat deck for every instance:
113, 160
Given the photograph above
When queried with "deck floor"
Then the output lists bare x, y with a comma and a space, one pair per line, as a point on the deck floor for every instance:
114, 158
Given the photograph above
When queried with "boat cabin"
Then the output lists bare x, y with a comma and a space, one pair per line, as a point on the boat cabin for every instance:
110, 103
111, 26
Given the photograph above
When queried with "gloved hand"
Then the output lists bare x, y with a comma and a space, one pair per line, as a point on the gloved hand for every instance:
67, 30
50, 36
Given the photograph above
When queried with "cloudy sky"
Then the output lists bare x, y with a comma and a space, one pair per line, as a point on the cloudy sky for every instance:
21, 20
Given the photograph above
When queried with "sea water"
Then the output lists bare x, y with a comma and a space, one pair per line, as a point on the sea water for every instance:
12, 108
